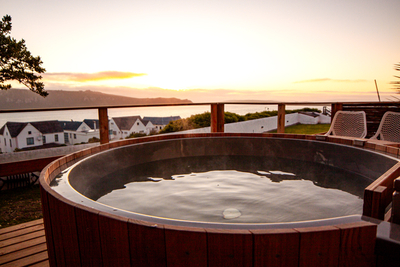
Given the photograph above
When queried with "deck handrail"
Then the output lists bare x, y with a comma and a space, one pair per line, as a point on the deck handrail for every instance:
217, 111
182, 104
377, 196
381, 193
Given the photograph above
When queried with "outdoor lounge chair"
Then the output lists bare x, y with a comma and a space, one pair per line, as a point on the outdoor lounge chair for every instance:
389, 128
349, 123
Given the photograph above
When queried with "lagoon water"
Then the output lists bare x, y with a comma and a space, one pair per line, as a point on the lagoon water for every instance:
80, 115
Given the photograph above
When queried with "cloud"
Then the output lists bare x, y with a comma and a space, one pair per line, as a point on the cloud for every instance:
86, 77
225, 95
330, 80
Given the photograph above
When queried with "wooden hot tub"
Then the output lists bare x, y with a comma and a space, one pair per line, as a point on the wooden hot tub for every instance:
81, 232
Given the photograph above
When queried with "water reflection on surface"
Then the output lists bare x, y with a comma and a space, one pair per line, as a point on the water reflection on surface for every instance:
261, 189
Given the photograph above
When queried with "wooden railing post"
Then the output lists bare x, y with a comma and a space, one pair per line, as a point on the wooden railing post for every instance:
334, 108
103, 127
378, 202
217, 118
281, 118
396, 202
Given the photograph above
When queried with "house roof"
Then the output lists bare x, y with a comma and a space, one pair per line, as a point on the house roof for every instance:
70, 125
15, 127
46, 127
126, 123
93, 124
162, 120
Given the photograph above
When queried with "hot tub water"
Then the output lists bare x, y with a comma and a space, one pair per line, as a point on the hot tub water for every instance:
233, 189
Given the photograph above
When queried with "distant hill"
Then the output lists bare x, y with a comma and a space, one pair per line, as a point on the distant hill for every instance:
25, 99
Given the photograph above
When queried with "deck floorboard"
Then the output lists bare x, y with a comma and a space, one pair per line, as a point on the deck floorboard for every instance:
24, 245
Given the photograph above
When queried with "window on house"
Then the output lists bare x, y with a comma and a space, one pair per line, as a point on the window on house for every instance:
74, 136
110, 132
5, 142
30, 141
114, 132
10, 143
29, 132
137, 123
56, 137
44, 139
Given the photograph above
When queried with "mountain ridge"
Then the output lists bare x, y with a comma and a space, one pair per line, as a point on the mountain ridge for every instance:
25, 99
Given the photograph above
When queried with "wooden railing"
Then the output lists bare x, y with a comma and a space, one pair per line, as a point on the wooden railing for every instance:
377, 196
217, 125
374, 112
217, 112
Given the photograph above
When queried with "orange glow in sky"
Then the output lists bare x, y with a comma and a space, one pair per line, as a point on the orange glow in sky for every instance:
304, 50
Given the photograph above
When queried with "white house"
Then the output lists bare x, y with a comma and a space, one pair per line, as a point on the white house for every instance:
76, 132
160, 122
23, 135
121, 127
7, 143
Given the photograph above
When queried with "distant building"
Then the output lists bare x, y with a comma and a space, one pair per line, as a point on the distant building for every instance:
122, 127
76, 132
23, 135
160, 122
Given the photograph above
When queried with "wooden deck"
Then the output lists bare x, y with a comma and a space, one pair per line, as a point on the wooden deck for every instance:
24, 245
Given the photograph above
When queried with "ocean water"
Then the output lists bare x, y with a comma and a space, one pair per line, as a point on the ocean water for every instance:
80, 115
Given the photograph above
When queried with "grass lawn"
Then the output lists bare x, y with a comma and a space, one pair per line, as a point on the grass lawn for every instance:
20, 205
306, 128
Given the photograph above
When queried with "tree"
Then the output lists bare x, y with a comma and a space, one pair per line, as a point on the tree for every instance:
17, 63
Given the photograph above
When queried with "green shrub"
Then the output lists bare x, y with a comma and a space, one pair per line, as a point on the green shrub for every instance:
94, 140
204, 119
134, 135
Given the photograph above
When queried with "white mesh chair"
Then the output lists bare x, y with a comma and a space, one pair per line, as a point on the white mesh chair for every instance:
389, 128
349, 123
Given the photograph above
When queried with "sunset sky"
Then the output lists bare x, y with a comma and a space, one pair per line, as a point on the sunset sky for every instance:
286, 50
